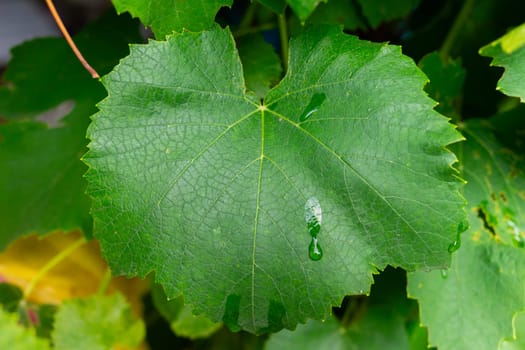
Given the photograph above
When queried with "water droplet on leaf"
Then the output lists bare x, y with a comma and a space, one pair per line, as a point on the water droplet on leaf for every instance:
444, 273
463, 226
313, 216
454, 245
314, 227
314, 250
313, 106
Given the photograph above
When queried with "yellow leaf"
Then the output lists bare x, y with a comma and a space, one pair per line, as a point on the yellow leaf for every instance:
78, 275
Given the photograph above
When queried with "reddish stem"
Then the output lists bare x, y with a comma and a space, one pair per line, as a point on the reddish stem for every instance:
64, 31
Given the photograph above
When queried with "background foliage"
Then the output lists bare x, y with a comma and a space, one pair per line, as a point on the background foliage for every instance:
268, 165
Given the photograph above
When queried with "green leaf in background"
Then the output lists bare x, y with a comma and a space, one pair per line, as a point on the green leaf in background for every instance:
509, 52
470, 305
13, 336
97, 322
39, 316
47, 103
205, 185
496, 184
341, 12
518, 334
10, 296
304, 8
276, 6
378, 11
180, 316
378, 330
312, 335
46, 320
446, 82
261, 65
379, 322
168, 16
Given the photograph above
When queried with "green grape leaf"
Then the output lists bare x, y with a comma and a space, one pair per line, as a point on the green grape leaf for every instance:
517, 342
47, 103
261, 65
97, 322
484, 286
276, 6
378, 11
446, 82
509, 52
13, 336
180, 316
378, 330
496, 184
211, 188
167, 16
304, 8
339, 12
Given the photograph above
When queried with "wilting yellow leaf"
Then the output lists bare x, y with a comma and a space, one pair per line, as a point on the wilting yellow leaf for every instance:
78, 275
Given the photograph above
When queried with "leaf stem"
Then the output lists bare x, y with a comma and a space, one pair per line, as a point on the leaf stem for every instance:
70, 41
283, 33
52, 263
353, 310
104, 283
453, 33
248, 16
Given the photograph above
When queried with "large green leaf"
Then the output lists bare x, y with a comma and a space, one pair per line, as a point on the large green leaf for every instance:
470, 306
97, 322
14, 336
167, 16
509, 52
47, 103
207, 186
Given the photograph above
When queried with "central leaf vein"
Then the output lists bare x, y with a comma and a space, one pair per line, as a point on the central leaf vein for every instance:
256, 218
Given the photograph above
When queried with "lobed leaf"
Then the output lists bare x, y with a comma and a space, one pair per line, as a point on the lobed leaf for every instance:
195, 179
470, 305
97, 322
